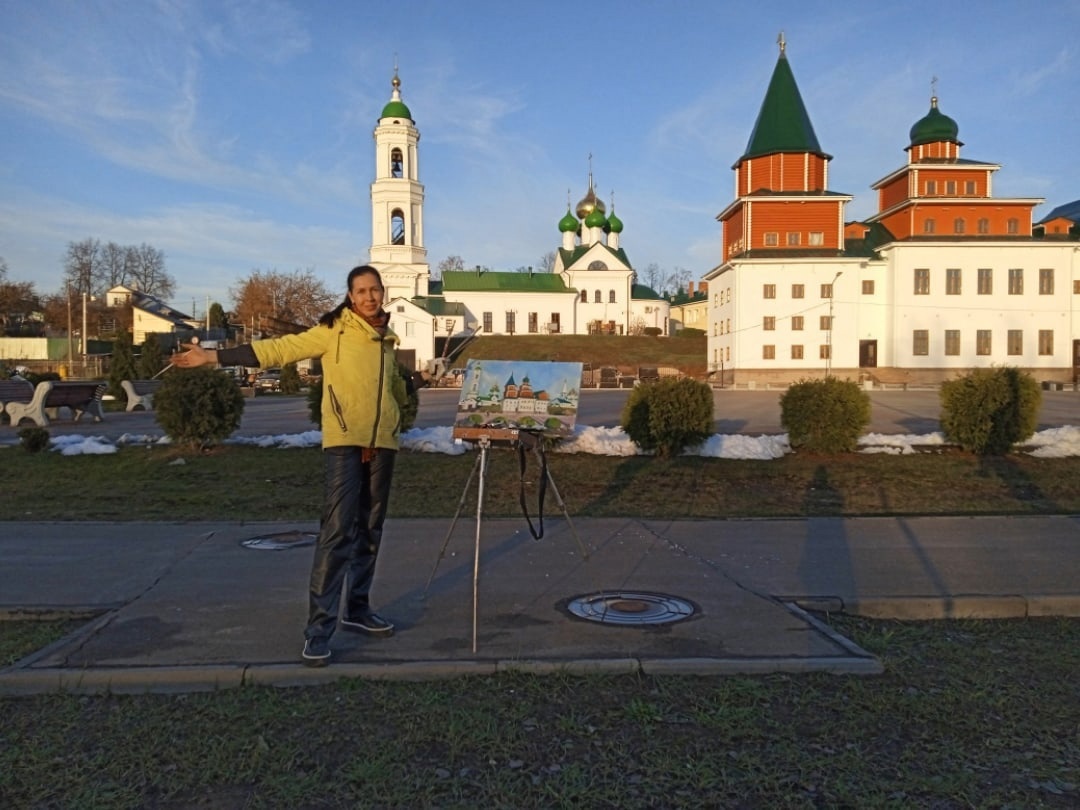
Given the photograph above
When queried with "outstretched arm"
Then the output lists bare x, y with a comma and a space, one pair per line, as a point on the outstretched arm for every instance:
195, 356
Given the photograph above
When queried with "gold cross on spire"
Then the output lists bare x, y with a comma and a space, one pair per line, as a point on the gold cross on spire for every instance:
781, 42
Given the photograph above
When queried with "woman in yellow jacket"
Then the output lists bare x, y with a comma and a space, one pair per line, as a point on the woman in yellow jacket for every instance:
363, 394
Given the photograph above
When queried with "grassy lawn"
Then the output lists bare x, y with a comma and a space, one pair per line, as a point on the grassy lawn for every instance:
966, 715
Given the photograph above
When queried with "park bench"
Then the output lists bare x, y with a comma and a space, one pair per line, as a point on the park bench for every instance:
49, 397
140, 393
885, 377
15, 390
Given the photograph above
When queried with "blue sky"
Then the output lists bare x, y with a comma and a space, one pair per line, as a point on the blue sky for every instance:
235, 135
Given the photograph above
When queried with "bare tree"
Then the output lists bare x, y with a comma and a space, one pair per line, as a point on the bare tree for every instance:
113, 265
677, 281
18, 303
3, 268
278, 301
450, 264
652, 277
83, 267
145, 267
547, 263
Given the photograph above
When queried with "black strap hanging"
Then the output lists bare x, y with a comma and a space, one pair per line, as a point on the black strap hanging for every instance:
535, 442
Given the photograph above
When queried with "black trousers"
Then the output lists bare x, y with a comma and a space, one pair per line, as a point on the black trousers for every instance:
350, 532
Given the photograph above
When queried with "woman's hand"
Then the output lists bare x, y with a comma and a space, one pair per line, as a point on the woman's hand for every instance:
195, 356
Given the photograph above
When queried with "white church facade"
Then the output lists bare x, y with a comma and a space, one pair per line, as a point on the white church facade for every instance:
591, 288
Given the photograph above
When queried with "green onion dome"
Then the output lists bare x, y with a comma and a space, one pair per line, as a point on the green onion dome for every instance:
933, 127
569, 223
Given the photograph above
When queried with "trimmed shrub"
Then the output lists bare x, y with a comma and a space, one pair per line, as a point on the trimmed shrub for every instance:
668, 416
408, 410
151, 359
989, 410
290, 379
690, 332
825, 416
122, 367
198, 407
34, 439
652, 331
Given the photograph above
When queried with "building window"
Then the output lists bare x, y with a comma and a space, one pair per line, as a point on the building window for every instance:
952, 342
768, 323
824, 351
1016, 281
397, 227
772, 239
727, 354
797, 291
793, 238
768, 352
950, 188
768, 291
1015, 341
584, 296
928, 226
969, 187
611, 297
825, 322
1076, 287
597, 297
1046, 341
1046, 281
922, 281
983, 225
931, 188
982, 342
817, 238
395, 163
487, 321
1012, 226
952, 281
920, 342
796, 323
727, 326
534, 322
410, 329
826, 290
958, 225
986, 281
797, 352
511, 318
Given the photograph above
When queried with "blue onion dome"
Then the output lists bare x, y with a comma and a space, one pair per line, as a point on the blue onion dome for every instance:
569, 223
933, 127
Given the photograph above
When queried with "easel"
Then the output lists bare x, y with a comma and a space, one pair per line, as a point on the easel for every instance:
483, 438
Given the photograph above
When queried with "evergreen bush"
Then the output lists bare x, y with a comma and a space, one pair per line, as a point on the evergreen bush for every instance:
198, 407
290, 379
989, 410
825, 416
408, 410
122, 366
34, 439
669, 415
151, 359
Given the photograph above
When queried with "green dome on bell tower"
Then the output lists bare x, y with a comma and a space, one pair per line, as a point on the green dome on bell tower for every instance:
395, 107
934, 127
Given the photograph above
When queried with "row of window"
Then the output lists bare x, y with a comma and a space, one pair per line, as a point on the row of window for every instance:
948, 188
1014, 342
511, 322
982, 225
799, 290
794, 238
984, 281
597, 297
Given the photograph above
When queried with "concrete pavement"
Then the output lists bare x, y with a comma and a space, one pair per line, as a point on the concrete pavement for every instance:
192, 606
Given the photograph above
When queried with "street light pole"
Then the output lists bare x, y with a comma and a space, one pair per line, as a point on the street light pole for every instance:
84, 343
832, 297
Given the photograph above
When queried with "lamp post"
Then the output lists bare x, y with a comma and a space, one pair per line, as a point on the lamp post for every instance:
832, 297
83, 336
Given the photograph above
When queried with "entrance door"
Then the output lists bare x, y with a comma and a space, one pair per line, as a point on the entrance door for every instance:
868, 353
1076, 362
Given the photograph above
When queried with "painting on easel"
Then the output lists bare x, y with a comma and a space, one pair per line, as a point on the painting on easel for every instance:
500, 398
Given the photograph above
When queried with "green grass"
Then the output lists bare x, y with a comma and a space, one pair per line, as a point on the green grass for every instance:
967, 714
246, 483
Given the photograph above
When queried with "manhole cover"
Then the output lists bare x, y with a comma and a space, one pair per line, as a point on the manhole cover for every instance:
631, 608
280, 541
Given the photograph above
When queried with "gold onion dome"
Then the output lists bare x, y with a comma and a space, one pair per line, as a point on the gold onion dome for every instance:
589, 203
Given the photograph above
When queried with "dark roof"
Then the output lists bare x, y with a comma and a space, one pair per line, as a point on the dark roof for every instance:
783, 125
491, 281
1069, 211
155, 306
437, 305
571, 256
640, 292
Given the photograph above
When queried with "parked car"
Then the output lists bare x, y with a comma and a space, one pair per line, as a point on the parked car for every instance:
269, 380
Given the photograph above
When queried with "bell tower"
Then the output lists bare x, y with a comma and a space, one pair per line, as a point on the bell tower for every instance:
397, 202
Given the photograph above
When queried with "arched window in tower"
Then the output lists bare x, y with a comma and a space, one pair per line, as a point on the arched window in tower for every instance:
611, 297
395, 163
584, 296
397, 227
597, 297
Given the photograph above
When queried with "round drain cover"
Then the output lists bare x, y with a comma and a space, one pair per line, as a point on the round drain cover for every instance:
280, 541
631, 608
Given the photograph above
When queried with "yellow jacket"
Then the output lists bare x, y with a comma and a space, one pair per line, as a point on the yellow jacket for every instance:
362, 389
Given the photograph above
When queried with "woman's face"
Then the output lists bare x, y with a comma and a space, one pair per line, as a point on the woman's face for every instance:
366, 295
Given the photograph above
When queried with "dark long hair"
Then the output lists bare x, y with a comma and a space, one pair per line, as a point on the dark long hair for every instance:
328, 318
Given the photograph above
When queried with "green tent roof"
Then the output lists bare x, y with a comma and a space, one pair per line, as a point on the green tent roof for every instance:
783, 125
